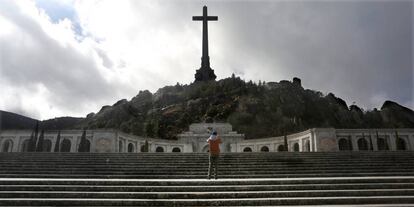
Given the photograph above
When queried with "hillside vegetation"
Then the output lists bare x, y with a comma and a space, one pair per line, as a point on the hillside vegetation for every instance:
257, 110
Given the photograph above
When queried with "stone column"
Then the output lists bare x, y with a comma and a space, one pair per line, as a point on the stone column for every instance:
116, 144
373, 139
411, 138
124, 145
408, 142
354, 139
392, 140
19, 144
74, 143
233, 147
300, 145
16, 142
54, 140
93, 142
313, 141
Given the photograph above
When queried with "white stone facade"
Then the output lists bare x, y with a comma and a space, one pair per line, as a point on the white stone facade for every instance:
331, 140
194, 140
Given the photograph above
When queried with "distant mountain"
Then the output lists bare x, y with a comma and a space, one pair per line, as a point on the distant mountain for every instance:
61, 123
10, 120
257, 110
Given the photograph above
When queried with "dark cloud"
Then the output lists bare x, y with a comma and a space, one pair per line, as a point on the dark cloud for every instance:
357, 50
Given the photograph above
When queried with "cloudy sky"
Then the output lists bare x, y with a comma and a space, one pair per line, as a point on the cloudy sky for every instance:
69, 57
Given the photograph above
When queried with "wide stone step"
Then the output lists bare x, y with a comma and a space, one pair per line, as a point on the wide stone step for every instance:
204, 182
184, 161
209, 188
201, 166
343, 153
54, 156
274, 157
204, 171
262, 156
240, 163
204, 168
207, 195
316, 173
256, 164
205, 161
192, 176
208, 202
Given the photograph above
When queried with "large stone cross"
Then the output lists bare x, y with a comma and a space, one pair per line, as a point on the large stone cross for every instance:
205, 72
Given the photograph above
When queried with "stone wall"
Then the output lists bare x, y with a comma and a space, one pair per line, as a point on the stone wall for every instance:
373, 138
312, 140
300, 142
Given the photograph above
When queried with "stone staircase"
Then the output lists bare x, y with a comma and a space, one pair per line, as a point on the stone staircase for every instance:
178, 179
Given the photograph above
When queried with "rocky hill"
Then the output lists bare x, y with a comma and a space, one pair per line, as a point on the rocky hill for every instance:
257, 110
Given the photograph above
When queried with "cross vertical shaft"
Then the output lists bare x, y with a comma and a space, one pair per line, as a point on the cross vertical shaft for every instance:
205, 72
205, 56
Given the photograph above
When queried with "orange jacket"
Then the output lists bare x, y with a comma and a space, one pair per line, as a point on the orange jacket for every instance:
214, 146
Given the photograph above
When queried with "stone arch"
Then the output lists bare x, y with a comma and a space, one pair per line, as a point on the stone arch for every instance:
25, 145
47, 145
7, 146
131, 147
120, 146
176, 149
343, 144
307, 146
382, 144
264, 149
66, 145
401, 144
296, 147
362, 144
247, 149
281, 148
159, 149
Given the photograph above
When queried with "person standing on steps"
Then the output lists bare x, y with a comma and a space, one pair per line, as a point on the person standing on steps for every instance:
214, 142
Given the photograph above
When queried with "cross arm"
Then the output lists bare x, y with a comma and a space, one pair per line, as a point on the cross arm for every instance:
201, 18
212, 18
198, 18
